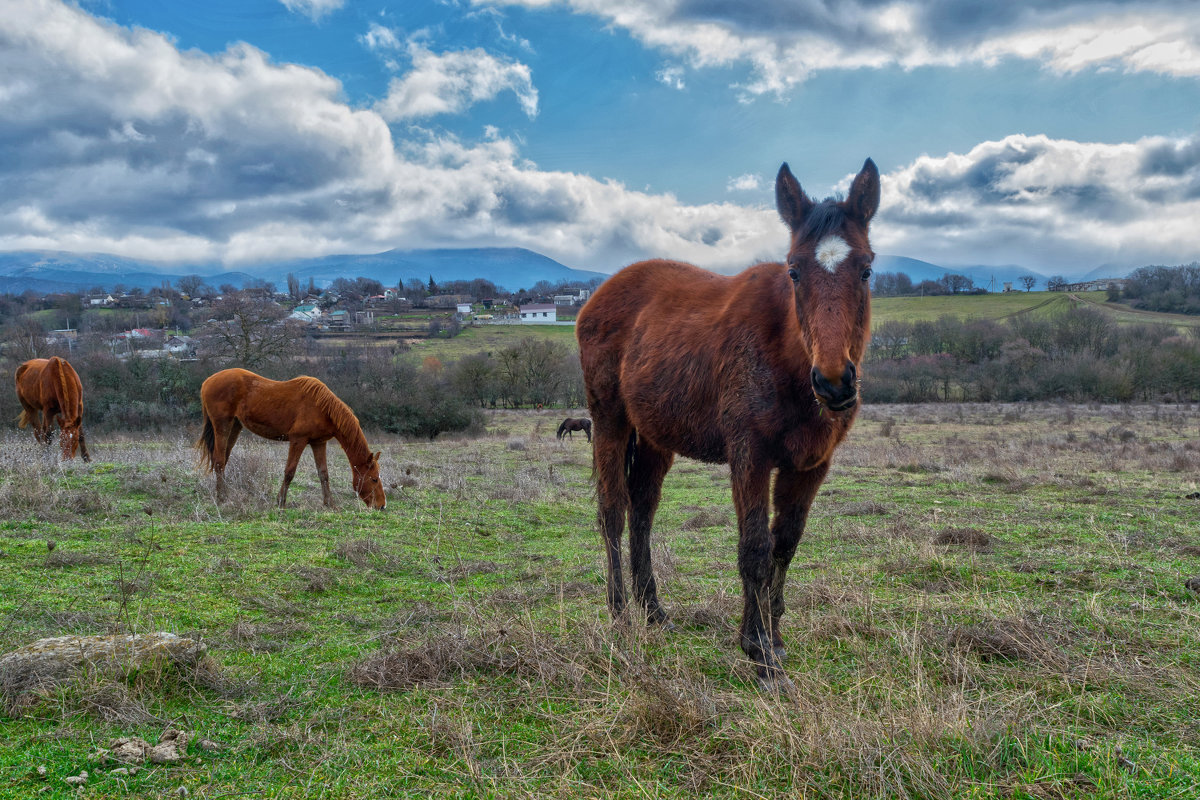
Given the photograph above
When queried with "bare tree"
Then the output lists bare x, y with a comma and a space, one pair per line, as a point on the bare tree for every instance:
248, 330
1028, 281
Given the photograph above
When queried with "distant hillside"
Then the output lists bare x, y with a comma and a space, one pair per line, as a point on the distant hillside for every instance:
508, 267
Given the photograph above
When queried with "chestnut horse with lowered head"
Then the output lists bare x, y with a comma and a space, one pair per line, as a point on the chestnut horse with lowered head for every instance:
758, 371
302, 412
50, 391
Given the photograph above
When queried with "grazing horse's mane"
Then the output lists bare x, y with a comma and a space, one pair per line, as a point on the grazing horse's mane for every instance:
347, 425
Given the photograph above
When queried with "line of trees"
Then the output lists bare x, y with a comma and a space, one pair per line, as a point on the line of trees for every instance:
1076, 355
899, 284
1171, 289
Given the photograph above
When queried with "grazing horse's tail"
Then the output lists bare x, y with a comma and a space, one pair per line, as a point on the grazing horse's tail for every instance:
23, 419
206, 443
562, 429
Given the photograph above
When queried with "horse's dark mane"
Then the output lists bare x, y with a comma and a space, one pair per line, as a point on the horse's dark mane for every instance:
824, 219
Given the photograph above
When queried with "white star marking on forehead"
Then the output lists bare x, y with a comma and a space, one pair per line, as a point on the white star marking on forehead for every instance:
831, 251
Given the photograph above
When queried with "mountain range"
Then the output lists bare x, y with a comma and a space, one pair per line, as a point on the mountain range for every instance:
510, 268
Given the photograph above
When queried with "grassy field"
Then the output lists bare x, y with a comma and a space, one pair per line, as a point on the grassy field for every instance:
989, 603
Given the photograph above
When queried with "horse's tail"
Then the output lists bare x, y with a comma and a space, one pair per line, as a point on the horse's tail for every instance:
207, 443
631, 454
23, 419
562, 429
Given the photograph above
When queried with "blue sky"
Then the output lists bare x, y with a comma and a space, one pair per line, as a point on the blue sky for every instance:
1055, 135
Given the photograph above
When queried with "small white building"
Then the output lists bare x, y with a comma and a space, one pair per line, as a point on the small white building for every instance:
464, 308
539, 312
305, 313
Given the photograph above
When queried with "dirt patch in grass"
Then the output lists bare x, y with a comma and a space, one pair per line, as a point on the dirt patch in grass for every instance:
1011, 640
713, 517
66, 559
865, 508
969, 538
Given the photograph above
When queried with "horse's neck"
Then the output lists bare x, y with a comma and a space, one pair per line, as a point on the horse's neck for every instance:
354, 443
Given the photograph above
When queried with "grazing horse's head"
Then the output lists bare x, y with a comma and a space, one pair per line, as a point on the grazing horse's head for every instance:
69, 439
829, 264
367, 484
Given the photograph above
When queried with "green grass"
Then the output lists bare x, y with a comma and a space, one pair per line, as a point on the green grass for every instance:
457, 644
490, 338
999, 306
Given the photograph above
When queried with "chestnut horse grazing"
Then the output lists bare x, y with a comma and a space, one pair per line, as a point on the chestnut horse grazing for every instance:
758, 371
571, 424
302, 412
49, 390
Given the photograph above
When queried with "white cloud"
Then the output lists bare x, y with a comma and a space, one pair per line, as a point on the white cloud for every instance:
744, 183
1047, 203
379, 37
313, 9
785, 41
116, 141
449, 83
671, 76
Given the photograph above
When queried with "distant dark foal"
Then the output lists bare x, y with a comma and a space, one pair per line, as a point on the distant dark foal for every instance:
758, 371
571, 424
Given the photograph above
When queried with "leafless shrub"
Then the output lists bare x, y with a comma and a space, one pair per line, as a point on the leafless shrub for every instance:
515, 443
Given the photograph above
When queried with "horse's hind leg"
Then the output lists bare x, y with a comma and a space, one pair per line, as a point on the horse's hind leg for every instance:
649, 467
295, 450
794, 493
225, 433
612, 490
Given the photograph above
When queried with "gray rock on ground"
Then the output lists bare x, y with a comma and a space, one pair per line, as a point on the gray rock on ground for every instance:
49, 662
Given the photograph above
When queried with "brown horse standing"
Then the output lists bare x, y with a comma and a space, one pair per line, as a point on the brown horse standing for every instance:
572, 424
49, 390
758, 371
302, 412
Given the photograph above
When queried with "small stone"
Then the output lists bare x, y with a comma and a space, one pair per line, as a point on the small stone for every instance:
1193, 584
209, 746
181, 791
51, 544
77, 780
40, 773
119, 771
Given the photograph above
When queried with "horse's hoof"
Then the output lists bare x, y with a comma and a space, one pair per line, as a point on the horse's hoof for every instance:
780, 653
776, 684
665, 625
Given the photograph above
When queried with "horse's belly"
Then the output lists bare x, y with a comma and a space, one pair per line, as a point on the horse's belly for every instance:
263, 429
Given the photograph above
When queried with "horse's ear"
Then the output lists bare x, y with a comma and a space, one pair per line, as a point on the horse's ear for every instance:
790, 199
376, 455
863, 201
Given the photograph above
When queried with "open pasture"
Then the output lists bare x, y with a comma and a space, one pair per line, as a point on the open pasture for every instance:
989, 602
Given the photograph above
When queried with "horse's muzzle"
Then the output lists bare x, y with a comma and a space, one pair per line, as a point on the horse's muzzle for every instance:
837, 398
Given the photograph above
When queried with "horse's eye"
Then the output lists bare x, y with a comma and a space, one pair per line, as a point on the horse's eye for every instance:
866, 274
793, 274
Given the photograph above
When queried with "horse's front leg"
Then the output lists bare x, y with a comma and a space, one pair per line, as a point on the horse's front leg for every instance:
83, 447
756, 547
318, 451
295, 449
794, 493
